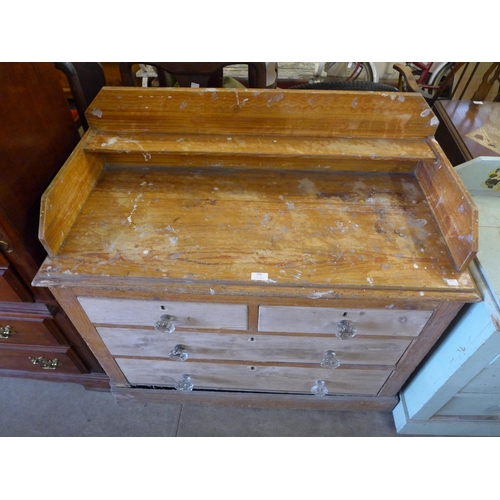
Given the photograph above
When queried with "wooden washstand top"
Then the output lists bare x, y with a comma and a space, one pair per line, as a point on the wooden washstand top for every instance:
310, 194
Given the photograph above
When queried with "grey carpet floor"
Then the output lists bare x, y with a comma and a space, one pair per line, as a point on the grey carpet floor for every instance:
30, 408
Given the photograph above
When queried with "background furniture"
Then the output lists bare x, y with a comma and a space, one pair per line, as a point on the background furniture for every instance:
259, 247
84, 80
204, 74
470, 116
347, 85
37, 134
468, 129
457, 390
471, 81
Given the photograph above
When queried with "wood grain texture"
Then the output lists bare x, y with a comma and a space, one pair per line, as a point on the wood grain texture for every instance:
256, 162
262, 112
453, 207
422, 345
147, 313
260, 151
255, 400
305, 349
325, 320
312, 229
285, 204
66, 195
87, 331
290, 379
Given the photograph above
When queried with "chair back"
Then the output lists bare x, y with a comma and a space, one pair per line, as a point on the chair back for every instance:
463, 79
85, 81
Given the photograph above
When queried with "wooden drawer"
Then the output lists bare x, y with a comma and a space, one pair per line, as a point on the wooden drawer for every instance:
18, 358
324, 320
12, 289
148, 312
26, 332
291, 379
252, 347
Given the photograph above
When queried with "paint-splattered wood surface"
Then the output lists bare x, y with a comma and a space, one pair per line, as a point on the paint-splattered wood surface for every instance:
275, 204
299, 228
312, 113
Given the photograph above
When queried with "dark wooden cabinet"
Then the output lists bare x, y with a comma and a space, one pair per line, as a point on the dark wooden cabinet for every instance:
37, 134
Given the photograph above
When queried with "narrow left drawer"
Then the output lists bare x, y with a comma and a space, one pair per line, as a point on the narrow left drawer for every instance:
148, 312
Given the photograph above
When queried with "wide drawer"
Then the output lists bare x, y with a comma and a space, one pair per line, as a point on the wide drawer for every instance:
53, 359
148, 312
251, 347
228, 376
325, 320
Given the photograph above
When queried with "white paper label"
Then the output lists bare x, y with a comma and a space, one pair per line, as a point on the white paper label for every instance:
260, 276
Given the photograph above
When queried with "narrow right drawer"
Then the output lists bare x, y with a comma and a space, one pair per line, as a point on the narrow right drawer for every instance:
325, 320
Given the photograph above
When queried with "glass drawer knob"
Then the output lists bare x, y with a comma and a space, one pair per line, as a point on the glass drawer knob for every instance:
184, 384
346, 329
330, 360
165, 324
178, 353
319, 388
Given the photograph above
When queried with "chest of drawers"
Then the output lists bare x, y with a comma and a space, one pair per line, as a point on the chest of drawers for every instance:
37, 340
288, 248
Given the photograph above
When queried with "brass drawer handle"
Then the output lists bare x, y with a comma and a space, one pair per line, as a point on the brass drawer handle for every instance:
46, 363
5, 246
6, 331
178, 353
165, 324
330, 360
184, 384
346, 329
319, 388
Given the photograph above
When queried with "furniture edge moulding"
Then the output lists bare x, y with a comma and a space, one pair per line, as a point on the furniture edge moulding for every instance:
248, 151
456, 213
244, 291
66, 195
255, 399
262, 112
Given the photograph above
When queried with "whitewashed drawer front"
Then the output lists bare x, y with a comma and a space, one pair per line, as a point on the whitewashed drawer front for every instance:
148, 312
252, 377
251, 347
324, 320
